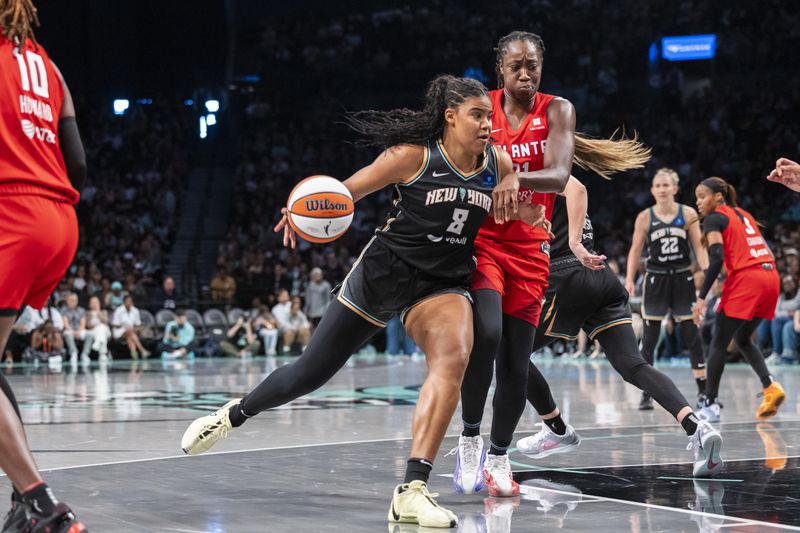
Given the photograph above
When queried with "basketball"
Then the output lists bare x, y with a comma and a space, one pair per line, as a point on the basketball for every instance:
320, 209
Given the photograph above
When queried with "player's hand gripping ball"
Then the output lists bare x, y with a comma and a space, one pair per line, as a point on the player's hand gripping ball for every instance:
320, 209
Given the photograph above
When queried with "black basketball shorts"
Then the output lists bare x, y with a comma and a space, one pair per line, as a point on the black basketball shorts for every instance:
579, 298
380, 285
662, 293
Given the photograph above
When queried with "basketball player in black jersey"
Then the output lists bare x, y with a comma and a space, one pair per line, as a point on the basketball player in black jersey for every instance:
417, 265
668, 284
584, 294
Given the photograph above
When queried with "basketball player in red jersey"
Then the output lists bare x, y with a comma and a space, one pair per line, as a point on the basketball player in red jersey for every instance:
749, 293
538, 132
42, 165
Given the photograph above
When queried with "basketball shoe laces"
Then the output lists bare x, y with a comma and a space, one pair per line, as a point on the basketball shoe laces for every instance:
501, 465
217, 427
541, 436
471, 452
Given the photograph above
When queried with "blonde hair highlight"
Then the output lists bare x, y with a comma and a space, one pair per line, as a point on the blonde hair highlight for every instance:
609, 156
667, 173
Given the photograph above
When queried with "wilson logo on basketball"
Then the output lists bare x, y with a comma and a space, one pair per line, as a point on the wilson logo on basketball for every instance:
325, 205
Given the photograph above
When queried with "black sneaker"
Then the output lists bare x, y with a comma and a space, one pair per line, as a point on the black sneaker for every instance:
24, 519
646, 404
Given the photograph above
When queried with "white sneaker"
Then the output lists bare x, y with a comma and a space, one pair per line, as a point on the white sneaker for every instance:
773, 359
706, 443
710, 413
412, 503
498, 476
546, 442
470, 456
204, 432
85, 359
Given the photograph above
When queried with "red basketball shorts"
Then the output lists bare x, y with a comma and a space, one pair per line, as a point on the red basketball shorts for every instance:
520, 276
38, 240
750, 293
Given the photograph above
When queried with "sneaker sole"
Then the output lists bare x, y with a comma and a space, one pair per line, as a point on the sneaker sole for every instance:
413, 519
552, 451
769, 413
713, 445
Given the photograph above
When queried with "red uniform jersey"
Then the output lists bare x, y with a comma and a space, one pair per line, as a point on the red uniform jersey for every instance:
743, 244
32, 96
526, 147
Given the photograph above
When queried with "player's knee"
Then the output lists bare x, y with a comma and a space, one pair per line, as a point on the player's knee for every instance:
631, 373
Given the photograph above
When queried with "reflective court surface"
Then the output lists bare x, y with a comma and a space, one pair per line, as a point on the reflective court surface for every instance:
108, 440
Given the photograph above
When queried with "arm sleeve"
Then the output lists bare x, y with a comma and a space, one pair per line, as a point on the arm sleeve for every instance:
72, 151
715, 257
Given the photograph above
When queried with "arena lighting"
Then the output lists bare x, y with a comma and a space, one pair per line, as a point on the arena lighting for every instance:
689, 47
120, 106
211, 119
188, 102
212, 106
203, 128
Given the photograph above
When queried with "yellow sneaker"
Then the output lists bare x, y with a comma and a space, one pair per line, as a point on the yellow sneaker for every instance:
412, 503
773, 398
204, 432
774, 447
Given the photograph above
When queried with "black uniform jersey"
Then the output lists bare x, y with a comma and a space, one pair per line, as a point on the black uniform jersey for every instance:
559, 247
436, 216
668, 244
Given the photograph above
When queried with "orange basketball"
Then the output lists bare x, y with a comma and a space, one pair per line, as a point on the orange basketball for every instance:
320, 209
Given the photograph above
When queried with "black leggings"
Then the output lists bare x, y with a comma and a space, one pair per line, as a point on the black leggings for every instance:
507, 342
339, 334
741, 332
689, 334
622, 351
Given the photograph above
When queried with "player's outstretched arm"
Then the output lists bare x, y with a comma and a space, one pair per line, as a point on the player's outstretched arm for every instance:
397, 164
637, 243
577, 206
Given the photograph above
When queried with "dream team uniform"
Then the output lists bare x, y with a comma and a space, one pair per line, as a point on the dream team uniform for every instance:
668, 282
38, 226
425, 248
752, 286
579, 297
513, 258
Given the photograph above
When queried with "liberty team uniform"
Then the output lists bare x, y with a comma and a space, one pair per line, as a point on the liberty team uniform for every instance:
668, 283
578, 297
425, 248
513, 258
38, 225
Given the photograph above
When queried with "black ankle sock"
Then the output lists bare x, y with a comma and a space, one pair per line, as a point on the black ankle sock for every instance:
689, 423
556, 425
41, 498
471, 430
701, 385
500, 448
418, 470
237, 417
767, 380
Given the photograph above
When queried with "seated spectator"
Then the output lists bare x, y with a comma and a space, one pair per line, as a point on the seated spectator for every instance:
223, 287
788, 303
266, 328
97, 324
318, 296
167, 297
28, 322
240, 342
126, 323
75, 330
115, 298
292, 323
178, 338
47, 339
